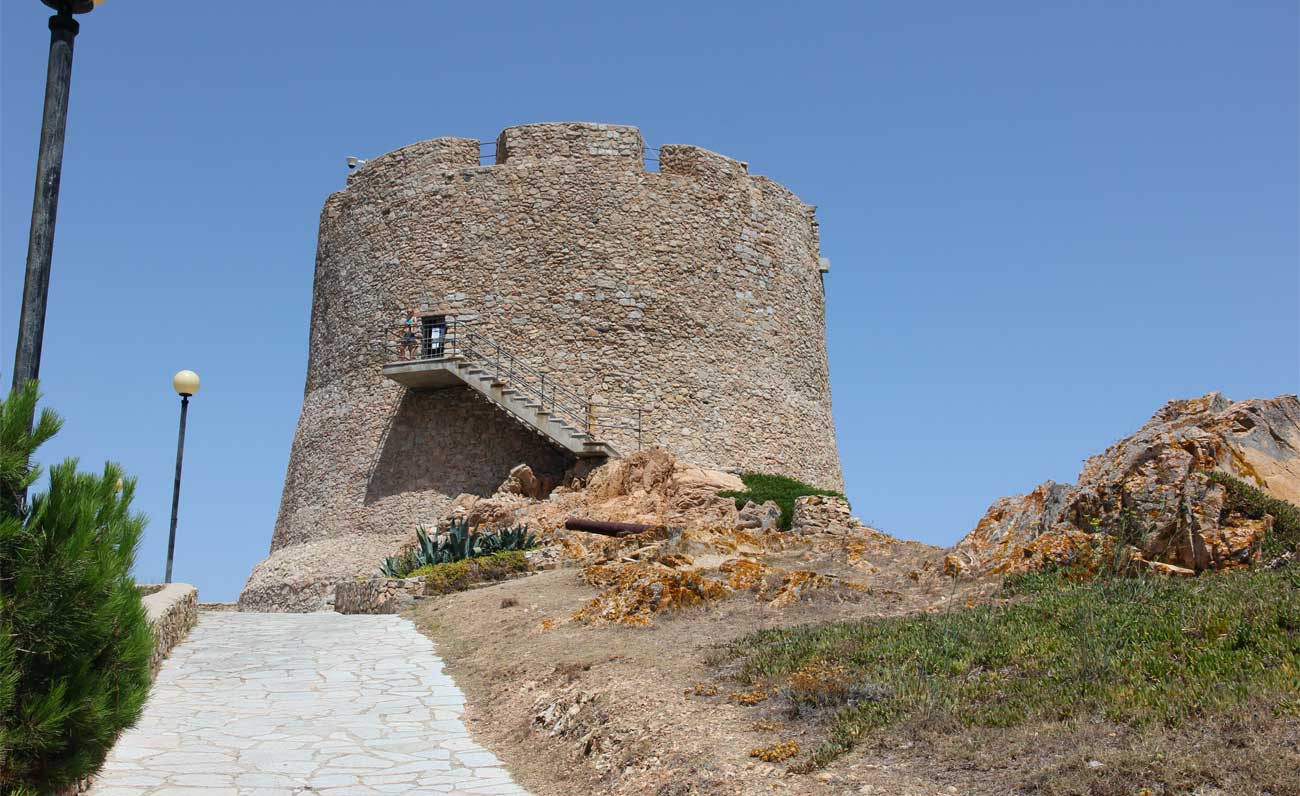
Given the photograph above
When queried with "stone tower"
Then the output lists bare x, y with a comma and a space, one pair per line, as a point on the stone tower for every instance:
693, 293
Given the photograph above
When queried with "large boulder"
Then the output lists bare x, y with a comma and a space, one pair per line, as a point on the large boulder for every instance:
1153, 491
652, 487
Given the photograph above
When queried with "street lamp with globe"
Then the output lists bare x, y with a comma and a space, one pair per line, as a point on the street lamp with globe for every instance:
186, 383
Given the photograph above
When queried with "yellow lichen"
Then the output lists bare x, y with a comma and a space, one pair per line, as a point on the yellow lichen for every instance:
636, 592
776, 752
797, 584
819, 683
748, 697
742, 573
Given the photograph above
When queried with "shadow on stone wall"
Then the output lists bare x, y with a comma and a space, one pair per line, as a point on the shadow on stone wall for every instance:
451, 442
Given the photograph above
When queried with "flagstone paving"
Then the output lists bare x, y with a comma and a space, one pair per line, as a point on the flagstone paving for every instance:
302, 705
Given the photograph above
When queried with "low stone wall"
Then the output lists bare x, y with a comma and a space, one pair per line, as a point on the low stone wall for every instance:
173, 609
823, 514
377, 595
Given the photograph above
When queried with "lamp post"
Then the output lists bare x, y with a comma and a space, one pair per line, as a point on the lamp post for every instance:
186, 383
45, 204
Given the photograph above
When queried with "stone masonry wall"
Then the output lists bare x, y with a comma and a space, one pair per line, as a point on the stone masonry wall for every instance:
693, 291
377, 595
173, 610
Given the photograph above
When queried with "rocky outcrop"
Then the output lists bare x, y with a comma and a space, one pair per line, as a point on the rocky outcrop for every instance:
524, 482
766, 517
1153, 492
651, 487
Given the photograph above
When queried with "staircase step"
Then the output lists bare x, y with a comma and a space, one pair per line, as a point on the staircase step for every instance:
520, 402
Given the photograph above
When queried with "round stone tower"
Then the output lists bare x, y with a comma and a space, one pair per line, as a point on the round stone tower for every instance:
681, 308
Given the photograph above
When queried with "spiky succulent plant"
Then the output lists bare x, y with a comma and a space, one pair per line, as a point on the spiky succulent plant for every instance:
460, 541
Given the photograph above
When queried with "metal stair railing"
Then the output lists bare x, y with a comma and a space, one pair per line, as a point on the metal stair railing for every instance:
413, 343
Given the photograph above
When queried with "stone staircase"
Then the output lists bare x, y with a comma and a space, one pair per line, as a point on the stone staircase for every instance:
556, 413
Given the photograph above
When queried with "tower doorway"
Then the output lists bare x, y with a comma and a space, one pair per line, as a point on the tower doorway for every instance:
434, 337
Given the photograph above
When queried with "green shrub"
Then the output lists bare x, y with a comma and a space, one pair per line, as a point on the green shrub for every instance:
460, 542
74, 637
1137, 652
1252, 503
780, 489
460, 575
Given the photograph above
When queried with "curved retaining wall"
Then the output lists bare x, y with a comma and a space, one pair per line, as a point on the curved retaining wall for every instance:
694, 291
173, 610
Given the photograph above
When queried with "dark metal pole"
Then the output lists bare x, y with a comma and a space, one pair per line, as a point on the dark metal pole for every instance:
45, 205
176, 488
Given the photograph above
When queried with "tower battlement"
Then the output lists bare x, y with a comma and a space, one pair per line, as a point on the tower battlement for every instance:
580, 145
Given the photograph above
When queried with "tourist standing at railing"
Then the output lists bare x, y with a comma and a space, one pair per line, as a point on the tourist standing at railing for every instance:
409, 338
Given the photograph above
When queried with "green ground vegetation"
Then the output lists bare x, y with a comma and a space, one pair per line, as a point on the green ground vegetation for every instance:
75, 640
1133, 652
460, 575
782, 490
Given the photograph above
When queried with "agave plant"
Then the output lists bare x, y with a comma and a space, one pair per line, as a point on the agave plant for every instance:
395, 567
517, 538
459, 542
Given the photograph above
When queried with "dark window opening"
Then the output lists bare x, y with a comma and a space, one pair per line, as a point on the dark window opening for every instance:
434, 337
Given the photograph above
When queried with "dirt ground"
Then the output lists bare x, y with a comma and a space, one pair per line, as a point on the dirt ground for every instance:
576, 709
579, 709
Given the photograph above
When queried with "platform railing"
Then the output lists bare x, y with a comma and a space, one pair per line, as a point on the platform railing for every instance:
423, 341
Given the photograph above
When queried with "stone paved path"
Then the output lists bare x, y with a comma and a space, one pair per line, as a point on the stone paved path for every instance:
302, 705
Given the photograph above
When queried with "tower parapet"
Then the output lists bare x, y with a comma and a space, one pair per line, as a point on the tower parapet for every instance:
595, 145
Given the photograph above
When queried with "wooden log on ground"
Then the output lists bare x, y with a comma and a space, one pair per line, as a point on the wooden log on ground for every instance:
607, 528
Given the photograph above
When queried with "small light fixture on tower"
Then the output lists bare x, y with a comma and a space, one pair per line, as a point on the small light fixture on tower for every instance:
354, 162
824, 264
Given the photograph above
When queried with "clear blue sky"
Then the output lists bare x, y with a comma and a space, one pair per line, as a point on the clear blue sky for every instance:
1045, 219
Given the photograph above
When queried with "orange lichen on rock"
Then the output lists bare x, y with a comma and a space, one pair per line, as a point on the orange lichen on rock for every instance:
743, 573
856, 553
776, 752
602, 576
638, 592
675, 560
722, 541
749, 697
1236, 540
797, 584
